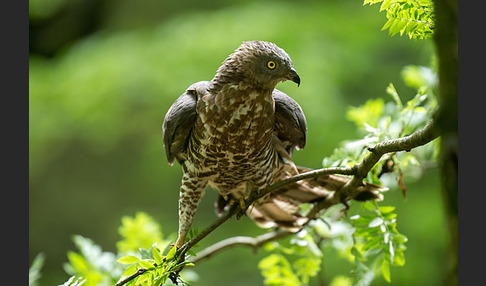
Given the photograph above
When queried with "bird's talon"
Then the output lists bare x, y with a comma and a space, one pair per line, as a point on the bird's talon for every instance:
242, 204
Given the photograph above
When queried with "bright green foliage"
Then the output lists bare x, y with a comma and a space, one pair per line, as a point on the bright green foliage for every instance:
96, 266
291, 262
378, 121
158, 268
371, 239
138, 232
277, 271
414, 18
374, 242
106, 268
394, 119
371, 111
377, 242
341, 281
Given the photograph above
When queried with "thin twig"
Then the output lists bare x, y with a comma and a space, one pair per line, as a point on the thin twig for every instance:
254, 242
131, 277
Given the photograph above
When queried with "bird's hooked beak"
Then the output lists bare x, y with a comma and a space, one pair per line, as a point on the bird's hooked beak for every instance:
293, 76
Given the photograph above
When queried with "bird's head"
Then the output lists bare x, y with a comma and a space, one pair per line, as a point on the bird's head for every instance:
259, 64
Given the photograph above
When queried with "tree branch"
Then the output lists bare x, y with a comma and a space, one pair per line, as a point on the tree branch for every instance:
254, 242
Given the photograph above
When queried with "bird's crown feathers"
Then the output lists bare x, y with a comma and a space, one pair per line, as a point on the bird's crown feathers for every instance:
256, 63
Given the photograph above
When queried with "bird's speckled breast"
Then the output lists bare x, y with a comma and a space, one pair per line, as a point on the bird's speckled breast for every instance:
231, 143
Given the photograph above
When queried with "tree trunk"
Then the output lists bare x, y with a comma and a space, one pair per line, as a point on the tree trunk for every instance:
446, 42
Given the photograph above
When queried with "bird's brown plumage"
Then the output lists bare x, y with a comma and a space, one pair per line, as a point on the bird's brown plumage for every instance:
237, 133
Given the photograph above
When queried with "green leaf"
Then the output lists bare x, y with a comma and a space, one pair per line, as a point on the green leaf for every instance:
385, 270
142, 279
306, 268
77, 261
411, 27
386, 4
146, 264
187, 263
386, 209
396, 26
388, 24
137, 232
371, 2
171, 254
157, 256
369, 113
372, 243
130, 270
158, 281
341, 281
399, 258
128, 259
277, 270
400, 238
390, 89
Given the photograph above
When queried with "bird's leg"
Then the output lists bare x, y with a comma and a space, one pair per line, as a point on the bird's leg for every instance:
250, 188
248, 192
192, 189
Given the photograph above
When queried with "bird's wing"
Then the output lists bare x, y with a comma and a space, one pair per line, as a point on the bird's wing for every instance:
290, 123
178, 123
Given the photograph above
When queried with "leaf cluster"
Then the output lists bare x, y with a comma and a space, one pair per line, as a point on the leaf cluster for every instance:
137, 252
291, 262
371, 238
414, 18
378, 120
377, 243
155, 267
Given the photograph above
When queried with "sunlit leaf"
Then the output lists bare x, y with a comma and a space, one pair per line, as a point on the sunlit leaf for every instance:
157, 256
130, 270
170, 256
146, 264
128, 259
385, 270
386, 209
138, 232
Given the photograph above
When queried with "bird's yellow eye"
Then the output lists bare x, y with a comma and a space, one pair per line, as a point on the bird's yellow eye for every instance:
271, 65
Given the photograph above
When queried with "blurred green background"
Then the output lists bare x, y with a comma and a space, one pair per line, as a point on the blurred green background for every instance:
102, 75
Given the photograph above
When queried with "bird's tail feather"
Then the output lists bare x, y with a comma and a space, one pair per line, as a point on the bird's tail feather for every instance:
281, 207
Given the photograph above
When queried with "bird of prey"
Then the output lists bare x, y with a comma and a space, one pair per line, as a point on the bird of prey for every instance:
236, 133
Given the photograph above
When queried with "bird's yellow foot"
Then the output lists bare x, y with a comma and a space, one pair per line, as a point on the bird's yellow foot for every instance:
242, 211
242, 204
